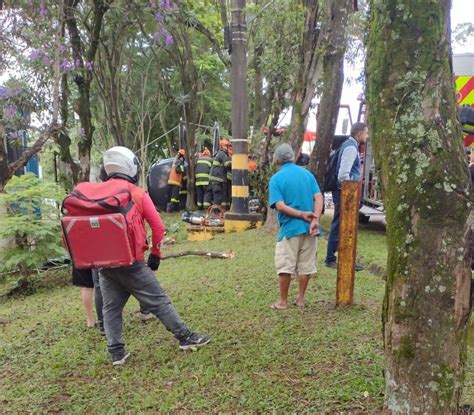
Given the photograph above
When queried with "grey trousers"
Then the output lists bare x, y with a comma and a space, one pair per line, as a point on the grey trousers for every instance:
138, 280
98, 297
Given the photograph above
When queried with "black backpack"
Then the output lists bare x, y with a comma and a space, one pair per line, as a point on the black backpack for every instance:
330, 178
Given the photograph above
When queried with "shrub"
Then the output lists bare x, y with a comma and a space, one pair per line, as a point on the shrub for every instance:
30, 217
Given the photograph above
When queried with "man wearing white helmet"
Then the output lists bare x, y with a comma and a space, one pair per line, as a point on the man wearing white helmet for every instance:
138, 279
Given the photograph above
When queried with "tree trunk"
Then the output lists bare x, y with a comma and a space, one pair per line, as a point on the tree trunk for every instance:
62, 139
83, 78
307, 78
271, 223
336, 15
418, 146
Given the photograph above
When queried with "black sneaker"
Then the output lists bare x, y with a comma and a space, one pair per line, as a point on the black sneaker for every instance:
100, 326
331, 264
119, 358
194, 341
359, 267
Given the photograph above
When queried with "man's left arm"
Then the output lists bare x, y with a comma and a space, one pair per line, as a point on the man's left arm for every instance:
317, 208
156, 224
318, 201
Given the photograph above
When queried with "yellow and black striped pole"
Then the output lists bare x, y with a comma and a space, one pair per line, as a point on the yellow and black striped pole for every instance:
238, 218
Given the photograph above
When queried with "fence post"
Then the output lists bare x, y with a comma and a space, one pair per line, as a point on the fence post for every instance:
349, 218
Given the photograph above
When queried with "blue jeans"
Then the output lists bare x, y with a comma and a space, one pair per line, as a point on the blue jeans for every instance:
333, 240
138, 280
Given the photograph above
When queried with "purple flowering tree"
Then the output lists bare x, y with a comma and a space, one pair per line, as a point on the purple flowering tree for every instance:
21, 100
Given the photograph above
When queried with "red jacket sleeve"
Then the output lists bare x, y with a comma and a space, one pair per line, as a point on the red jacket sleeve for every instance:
156, 224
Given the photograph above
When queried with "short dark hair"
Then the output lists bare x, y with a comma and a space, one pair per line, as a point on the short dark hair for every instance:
357, 127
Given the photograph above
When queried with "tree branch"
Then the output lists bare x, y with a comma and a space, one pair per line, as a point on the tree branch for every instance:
208, 254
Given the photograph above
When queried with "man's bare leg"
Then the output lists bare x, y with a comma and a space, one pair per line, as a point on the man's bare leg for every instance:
86, 297
302, 285
284, 281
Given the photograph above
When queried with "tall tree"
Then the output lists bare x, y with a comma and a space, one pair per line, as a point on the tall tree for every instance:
307, 76
426, 186
84, 56
334, 40
271, 75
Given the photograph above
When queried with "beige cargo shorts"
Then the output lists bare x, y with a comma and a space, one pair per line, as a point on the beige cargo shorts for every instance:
297, 255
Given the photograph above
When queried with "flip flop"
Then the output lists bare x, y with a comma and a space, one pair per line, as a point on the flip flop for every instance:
299, 306
275, 306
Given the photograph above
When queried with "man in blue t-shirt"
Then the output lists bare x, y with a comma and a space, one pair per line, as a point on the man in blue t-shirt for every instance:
295, 194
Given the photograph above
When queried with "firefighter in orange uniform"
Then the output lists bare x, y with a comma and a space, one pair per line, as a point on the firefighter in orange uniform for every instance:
175, 181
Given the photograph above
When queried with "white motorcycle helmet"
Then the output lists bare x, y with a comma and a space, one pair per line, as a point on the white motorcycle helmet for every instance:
120, 161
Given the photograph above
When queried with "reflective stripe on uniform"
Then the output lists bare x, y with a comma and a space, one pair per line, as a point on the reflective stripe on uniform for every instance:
216, 163
207, 162
199, 175
215, 179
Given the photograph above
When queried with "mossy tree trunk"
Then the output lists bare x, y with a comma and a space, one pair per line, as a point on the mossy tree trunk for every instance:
418, 146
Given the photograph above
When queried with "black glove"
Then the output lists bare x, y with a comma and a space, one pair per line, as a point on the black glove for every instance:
154, 262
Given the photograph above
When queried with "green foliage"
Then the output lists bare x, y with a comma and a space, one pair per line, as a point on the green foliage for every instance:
31, 220
463, 33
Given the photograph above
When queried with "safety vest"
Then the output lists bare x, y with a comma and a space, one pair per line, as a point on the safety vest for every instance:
103, 225
220, 165
176, 173
203, 167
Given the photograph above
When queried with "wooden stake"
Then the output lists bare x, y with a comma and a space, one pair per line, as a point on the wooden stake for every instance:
349, 215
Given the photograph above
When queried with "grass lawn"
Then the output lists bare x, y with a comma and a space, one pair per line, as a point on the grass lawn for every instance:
316, 360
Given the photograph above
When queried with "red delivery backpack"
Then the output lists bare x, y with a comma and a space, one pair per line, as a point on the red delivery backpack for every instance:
103, 224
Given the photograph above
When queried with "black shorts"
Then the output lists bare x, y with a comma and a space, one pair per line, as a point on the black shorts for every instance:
82, 278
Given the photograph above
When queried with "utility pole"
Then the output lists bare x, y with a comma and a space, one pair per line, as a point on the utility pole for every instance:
240, 118
239, 218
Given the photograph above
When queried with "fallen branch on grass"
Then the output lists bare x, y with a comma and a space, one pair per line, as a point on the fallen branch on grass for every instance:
219, 255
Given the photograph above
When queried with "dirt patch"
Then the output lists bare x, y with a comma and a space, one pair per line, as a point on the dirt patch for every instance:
378, 271
28, 285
